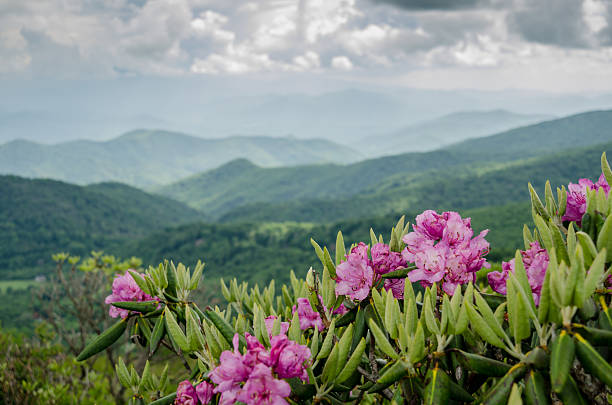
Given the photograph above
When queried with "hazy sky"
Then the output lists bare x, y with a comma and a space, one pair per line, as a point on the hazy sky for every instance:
553, 45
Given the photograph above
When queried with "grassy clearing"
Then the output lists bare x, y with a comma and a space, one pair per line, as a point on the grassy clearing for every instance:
15, 284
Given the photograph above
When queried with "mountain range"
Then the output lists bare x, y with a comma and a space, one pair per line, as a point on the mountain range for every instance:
224, 191
147, 158
446, 130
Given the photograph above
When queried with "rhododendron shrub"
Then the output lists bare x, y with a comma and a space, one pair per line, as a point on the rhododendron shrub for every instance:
401, 321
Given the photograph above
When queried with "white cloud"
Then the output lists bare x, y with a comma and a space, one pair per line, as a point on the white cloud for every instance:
81, 38
341, 63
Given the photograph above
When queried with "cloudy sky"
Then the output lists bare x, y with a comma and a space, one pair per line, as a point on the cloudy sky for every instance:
553, 45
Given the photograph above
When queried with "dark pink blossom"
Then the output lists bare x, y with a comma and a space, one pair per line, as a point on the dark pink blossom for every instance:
284, 327
444, 251
576, 205
263, 388
384, 260
354, 277
204, 390
124, 289
186, 394
535, 260
288, 358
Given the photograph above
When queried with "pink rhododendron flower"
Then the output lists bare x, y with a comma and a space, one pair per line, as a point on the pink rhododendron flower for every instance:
289, 359
263, 388
252, 377
309, 318
535, 260
358, 273
204, 391
354, 276
444, 251
124, 289
384, 260
186, 394
576, 198
284, 327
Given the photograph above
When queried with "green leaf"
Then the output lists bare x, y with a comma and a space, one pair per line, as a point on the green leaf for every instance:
592, 361
344, 346
400, 273
436, 392
138, 279
224, 328
605, 168
544, 232
122, 373
295, 332
137, 306
157, 335
604, 239
561, 359
146, 381
331, 365
515, 396
481, 364
104, 340
417, 350
391, 316
327, 342
536, 391
197, 275
536, 203
499, 393
381, 341
430, 320
558, 242
489, 316
329, 263
481, 327
175, 331
340, 248
349, 369
517, 313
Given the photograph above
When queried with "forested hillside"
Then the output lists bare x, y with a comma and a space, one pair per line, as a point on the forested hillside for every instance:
240, 183
41, 217
466, 188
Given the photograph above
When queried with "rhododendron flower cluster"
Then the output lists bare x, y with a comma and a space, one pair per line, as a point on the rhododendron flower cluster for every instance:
443, 250
576, 198
535, 260
186, 394
358, 273
255, 377
124, 289
309, 318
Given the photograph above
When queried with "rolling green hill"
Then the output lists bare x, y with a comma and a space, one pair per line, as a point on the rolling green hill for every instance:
221, 192
462, 188
147, 158
41, 217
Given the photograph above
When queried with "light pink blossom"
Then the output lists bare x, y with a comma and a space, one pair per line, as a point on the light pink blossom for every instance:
444, 251
354, 276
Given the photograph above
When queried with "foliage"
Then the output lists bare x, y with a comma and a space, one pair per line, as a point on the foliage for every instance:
422, 346
41, 217
38, 371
